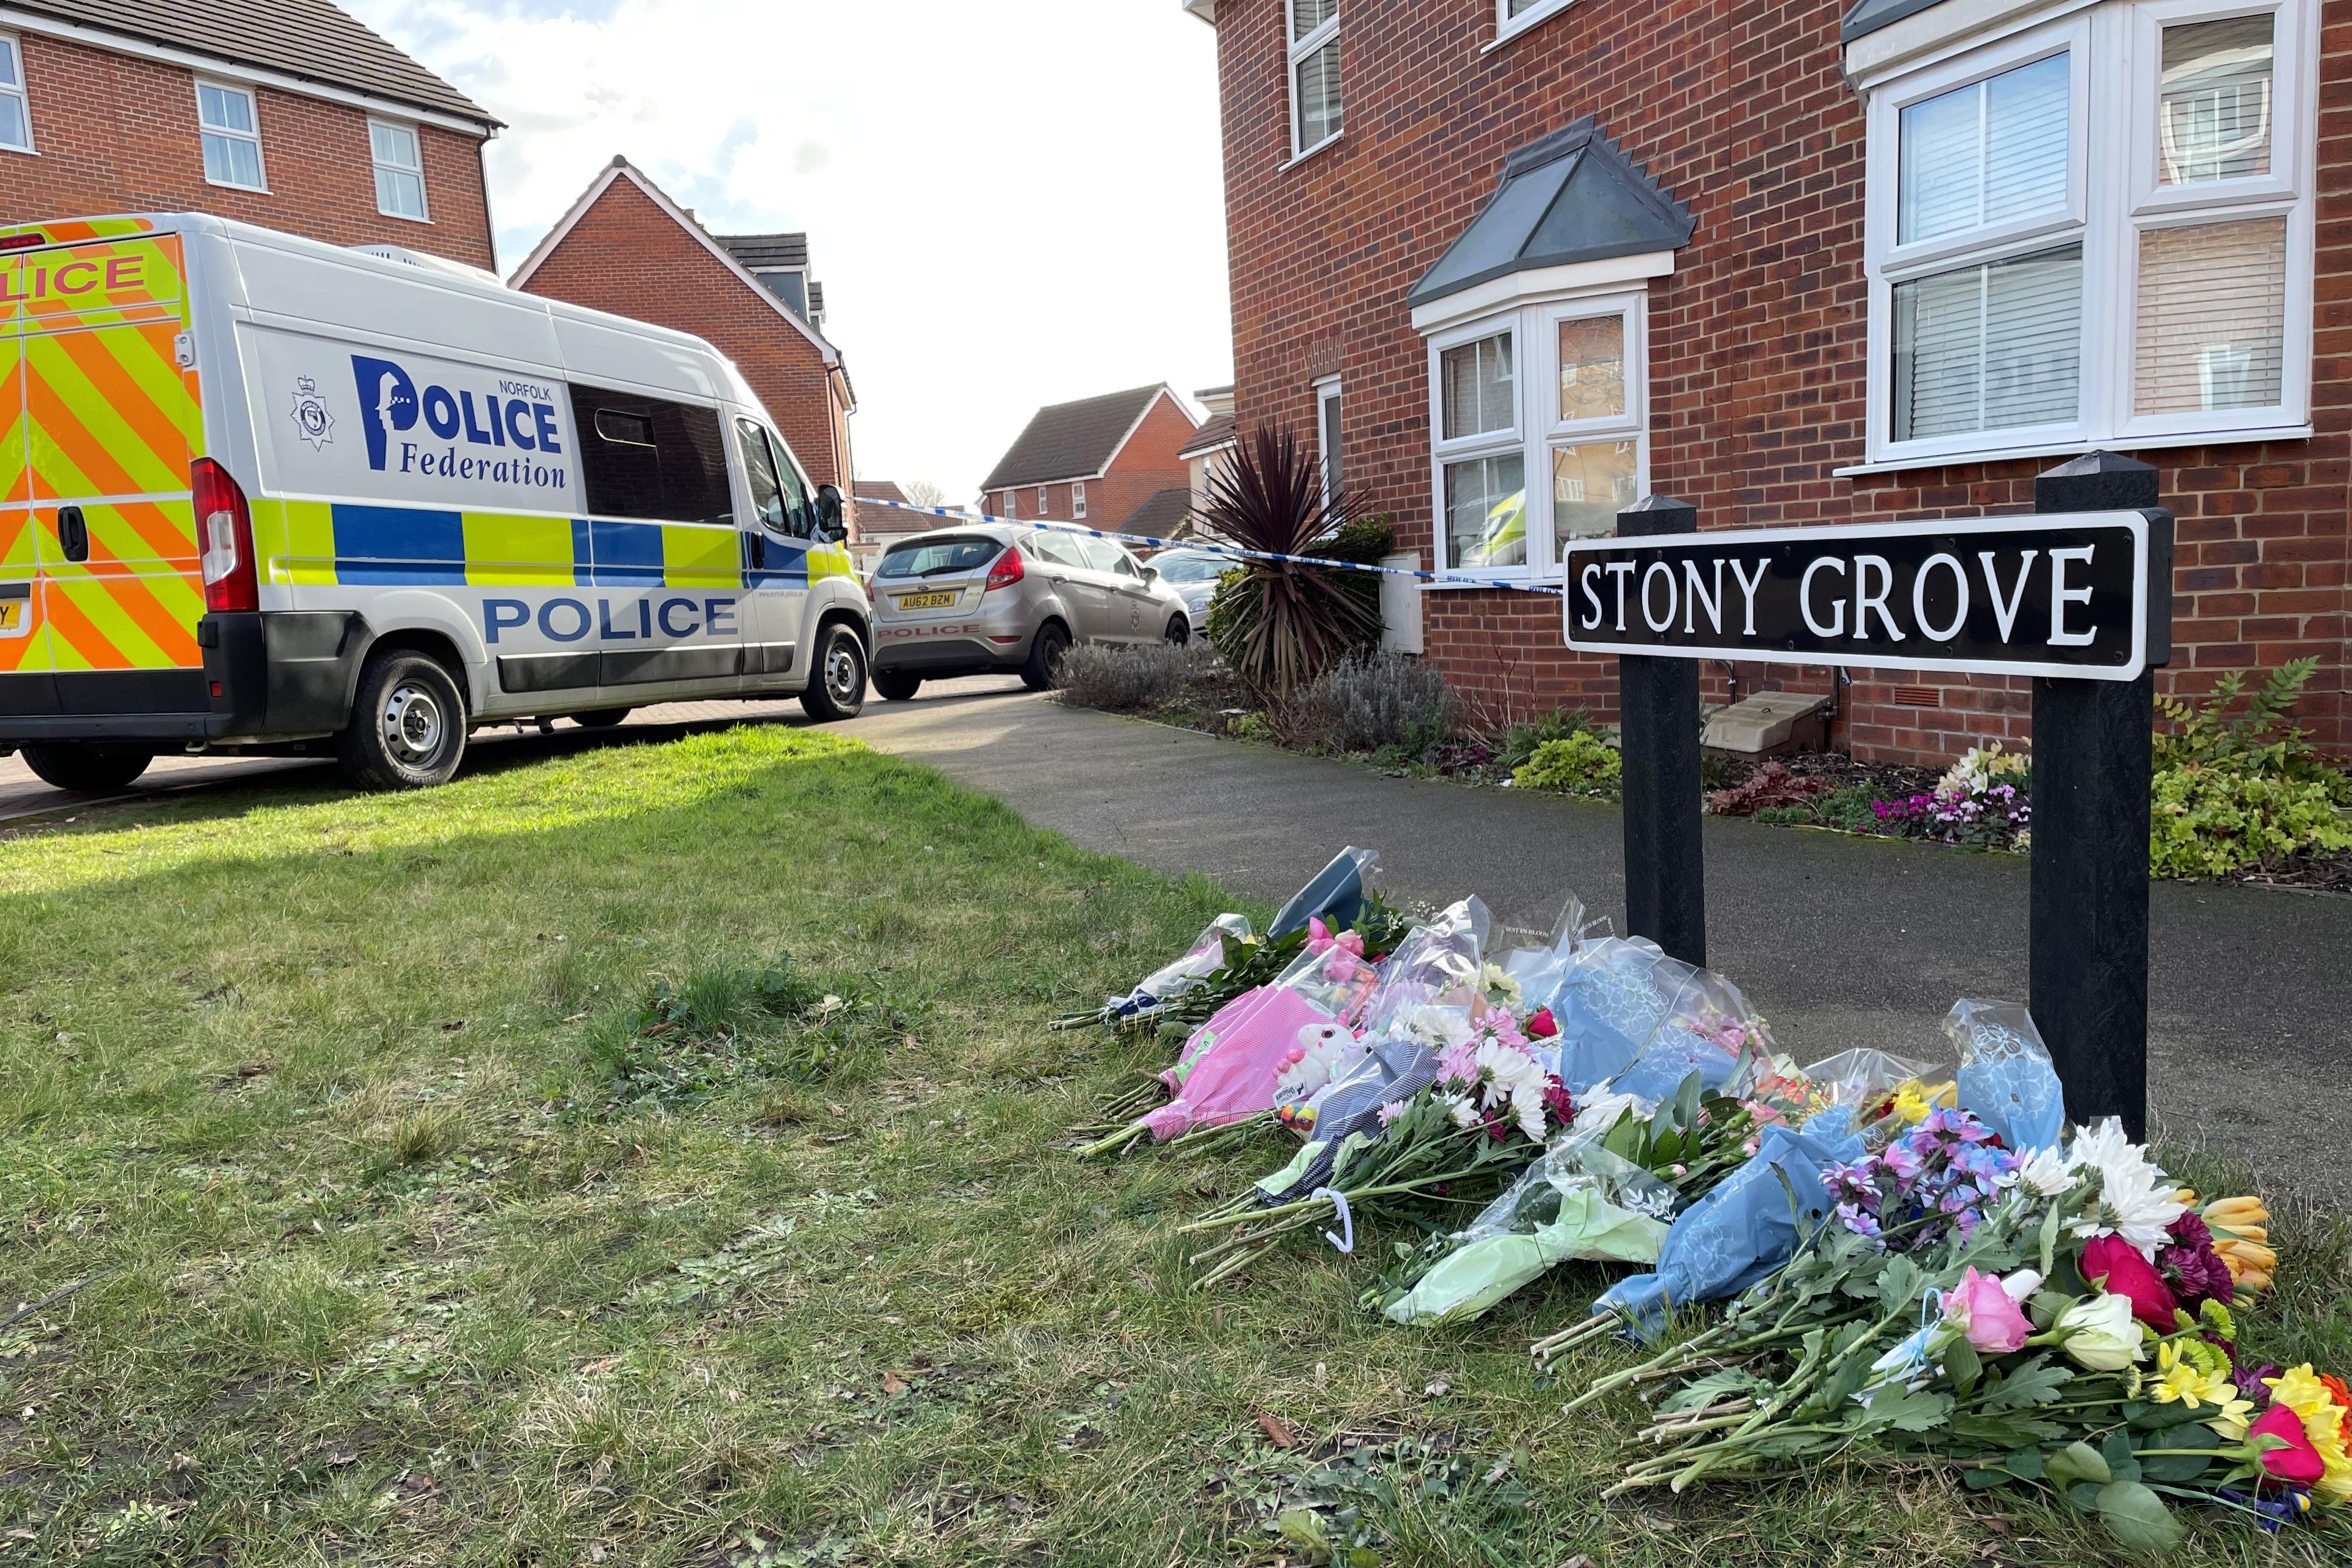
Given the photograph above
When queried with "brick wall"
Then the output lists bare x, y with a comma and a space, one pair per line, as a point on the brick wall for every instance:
1758, 341
627, 256
1147, 465
116, 133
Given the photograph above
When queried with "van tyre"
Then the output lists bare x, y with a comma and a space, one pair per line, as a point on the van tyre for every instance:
601, 717
896, 686
408, 727
68, 765
836, 687
1045, 653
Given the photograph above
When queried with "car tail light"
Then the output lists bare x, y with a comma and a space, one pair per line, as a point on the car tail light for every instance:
224, 533
1007, 571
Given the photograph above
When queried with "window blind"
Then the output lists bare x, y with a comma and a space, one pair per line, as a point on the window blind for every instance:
2212, 317
1984, 153
1479, 388
1989, 347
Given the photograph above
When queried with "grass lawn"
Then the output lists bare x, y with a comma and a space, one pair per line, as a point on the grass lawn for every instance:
407, 1242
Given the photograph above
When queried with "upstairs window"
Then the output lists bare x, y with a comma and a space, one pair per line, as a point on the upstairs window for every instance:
1078, 500
231, 132
15, 114
1043, 509
1314, 74
399, 170
2097, 231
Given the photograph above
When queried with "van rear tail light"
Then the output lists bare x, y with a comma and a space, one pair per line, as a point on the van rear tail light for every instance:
225, 534
1007, 571
22, 241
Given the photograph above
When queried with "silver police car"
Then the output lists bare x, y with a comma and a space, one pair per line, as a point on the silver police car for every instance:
987, 599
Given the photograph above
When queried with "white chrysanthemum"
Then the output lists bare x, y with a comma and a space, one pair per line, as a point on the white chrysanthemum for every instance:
1599, 1113
2045, 1174
1506, 1069
1465, 1113
2135, 1197
1527, 1108
1439, 1027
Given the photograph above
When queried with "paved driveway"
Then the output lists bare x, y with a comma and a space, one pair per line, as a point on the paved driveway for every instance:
1841, 942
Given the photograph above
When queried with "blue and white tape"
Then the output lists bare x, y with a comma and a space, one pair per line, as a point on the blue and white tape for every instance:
1047, 525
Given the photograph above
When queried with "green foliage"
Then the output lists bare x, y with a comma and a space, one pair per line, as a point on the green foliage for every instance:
1118, 679
1277, 623
1850, 808
1520, 741
2256, 737
1371, 699
1583, 763
2216, 820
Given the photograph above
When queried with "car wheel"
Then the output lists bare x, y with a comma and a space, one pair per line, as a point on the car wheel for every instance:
407, 729
85, 769
896, 686
1179, 631
836, 689
1045, 651
602, 718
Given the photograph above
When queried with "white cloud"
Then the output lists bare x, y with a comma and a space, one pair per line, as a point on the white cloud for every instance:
1008, 205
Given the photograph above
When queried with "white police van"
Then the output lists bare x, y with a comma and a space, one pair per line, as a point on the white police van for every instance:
275, 495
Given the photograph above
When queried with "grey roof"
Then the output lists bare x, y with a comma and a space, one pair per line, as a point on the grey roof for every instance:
881, 519
1072, 441
310, 39
1869, 15
1218, 432
758, 250
1160, 517
1570, 196
816, 299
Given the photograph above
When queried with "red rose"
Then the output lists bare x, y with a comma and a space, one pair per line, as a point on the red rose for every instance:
2115, 1266
1542, 1027
2298, 1463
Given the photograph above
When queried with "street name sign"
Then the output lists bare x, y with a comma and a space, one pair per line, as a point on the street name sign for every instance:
2059, 594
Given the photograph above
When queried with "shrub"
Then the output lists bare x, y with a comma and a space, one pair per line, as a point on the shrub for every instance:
1771, 787
2214, 821
2256, 740
1583, 763
1520, 741
1278, 624
1849, 808
1105, 674
1374, 698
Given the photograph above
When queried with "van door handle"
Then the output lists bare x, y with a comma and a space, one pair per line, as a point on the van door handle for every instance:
73, 533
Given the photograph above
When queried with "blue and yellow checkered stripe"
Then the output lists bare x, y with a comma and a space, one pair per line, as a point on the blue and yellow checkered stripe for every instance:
328, 543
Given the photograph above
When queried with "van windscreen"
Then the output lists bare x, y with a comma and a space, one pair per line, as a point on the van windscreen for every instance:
939, 557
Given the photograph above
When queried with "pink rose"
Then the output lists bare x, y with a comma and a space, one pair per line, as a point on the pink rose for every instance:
2115, 1266
1318, 935
1981, 1310
2299, 1463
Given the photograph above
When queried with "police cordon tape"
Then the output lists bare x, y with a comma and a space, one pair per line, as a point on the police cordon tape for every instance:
1047, 525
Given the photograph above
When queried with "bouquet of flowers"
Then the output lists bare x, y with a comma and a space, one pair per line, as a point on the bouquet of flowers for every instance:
2057, 1317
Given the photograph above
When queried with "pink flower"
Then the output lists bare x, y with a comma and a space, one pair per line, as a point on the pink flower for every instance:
1980, 1309
1459, 1064
1391, 1111
1543, 1026
2115, 1266
1320, 940
2298, 1463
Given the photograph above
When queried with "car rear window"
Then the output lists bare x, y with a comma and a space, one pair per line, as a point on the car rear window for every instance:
939, 557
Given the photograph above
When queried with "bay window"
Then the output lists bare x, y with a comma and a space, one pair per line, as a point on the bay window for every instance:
1314, 36
1540, 418
2098, 230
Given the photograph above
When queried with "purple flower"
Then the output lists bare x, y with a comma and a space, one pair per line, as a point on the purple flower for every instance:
2251, 1383
2270, 1512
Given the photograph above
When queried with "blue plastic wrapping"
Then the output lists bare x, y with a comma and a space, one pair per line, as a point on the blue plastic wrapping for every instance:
1606, 1003
1334, 896
2007, 1080
1743, 1230
1707, 1028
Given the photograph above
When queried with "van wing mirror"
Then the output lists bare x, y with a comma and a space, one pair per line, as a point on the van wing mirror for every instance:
829, 511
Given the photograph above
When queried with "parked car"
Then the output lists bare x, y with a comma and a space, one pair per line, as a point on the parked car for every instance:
1193, 573
988, 599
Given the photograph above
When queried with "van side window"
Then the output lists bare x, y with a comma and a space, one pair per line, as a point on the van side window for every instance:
647, 458
779, 499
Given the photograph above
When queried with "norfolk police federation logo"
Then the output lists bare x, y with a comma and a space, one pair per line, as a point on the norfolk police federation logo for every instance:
310, 416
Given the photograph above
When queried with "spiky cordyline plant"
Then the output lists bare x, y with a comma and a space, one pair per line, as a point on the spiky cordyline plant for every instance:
1283, 624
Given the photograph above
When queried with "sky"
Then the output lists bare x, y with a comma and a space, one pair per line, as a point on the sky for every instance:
1008, 204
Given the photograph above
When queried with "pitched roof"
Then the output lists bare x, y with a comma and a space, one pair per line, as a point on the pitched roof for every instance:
1868, 15
1220, 431
313, 40
875, 522
1160, 517
1568, 197
1074, 440
758, 250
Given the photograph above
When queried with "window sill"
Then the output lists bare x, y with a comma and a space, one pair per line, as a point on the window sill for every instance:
229, 185
28, 152
1297, 158
2075, 448
1465, 583
1510, 31
404, 217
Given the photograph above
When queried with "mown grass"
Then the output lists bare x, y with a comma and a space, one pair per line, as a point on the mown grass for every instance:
409, 1242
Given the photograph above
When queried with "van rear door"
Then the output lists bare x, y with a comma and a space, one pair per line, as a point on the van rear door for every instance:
26, 686
111, 418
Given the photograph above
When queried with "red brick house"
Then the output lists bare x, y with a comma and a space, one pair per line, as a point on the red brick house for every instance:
1101, 461
626, 248
1810, 262
287, 113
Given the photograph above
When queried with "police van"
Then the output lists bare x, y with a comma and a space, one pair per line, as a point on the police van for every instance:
259, 493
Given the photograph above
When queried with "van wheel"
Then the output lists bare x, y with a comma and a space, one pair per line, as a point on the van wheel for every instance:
602, 718
836, 687
85, 769
1045, 657
408, 727
896, 686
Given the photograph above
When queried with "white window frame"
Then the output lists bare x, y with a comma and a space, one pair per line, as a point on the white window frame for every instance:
1507, 26
1326, 393
1044, 502
22, 92
2112, 199
1306, 49
417, 138
1012, 503
1538, 428
253, 102
1078, 500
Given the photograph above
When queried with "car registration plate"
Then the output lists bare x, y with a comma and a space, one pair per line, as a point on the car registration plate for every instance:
926, 601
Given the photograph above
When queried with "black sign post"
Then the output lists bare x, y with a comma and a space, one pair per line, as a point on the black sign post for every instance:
2078, 596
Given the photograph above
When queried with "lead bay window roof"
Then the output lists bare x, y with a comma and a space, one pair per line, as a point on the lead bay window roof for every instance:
1569, 197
